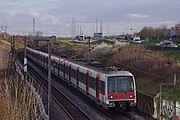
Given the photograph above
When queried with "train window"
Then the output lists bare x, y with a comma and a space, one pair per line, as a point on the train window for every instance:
69, 70
82, 78
111, 84
124, 84
46, 60
74, 73
92, 83
102, 88
61, 67
120, 84
55, 66
66, 69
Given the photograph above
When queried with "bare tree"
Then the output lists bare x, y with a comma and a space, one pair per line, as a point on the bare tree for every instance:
177, 28
157, 33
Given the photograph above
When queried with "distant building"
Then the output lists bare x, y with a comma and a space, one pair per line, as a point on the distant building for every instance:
39, 34
97, 36
173, 31
80, 37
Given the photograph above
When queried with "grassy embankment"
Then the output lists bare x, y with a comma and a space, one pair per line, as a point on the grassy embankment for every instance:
17, 101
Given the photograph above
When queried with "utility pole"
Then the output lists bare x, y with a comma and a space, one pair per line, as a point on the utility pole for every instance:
34, 27
73, 27
101, 27
160, 110
13, 52
4, 27
3, 30
89, 49
49, 79
96, 25
174, 90
25, 60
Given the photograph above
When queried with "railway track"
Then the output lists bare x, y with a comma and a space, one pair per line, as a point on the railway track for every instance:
71, 108
68, 106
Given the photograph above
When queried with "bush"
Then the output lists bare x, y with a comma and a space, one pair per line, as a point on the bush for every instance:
103, 50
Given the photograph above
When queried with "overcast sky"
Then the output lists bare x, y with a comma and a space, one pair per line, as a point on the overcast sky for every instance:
117, 16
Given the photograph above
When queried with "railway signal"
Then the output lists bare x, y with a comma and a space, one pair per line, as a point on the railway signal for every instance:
49, 78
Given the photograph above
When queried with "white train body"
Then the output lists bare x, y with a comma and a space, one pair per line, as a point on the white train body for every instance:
110, 89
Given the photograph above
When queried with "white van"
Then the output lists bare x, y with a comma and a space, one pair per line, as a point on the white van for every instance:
136, 40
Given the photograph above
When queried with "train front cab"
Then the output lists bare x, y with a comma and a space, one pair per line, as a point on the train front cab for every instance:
121, 93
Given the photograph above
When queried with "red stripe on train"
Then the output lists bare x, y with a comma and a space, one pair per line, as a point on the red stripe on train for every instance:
97, 85
87, 82
121, 96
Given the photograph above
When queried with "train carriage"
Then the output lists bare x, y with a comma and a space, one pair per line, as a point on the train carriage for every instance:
109, 87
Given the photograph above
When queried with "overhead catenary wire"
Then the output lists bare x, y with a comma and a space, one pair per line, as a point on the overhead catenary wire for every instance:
136, 69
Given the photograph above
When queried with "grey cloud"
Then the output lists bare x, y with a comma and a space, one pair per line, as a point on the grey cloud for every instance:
52, 13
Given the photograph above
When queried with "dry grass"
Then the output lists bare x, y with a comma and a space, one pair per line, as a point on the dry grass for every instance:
17, 101
143, 63
138, 57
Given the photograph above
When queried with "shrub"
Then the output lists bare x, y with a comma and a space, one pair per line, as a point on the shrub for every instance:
103, 50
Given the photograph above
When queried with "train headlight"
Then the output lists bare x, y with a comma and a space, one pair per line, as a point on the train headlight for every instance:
130, 96
111, 97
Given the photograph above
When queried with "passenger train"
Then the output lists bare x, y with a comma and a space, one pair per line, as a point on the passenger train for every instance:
106, 86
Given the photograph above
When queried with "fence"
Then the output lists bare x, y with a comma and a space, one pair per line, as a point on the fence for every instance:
150, 106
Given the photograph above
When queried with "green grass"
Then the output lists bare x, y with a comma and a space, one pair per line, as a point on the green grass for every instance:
152, 42
171, 53
68, 42
148, 86
170, 95
153, 89
108, 41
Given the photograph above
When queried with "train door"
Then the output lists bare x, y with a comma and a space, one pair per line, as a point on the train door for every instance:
87, 81
77, 79
97, 85
42, 60
69, 74
58, 67
54, 65
64, 69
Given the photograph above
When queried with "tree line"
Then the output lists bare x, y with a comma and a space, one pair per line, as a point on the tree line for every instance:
161, 32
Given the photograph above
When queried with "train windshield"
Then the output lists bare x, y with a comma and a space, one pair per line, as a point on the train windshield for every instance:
120, 84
